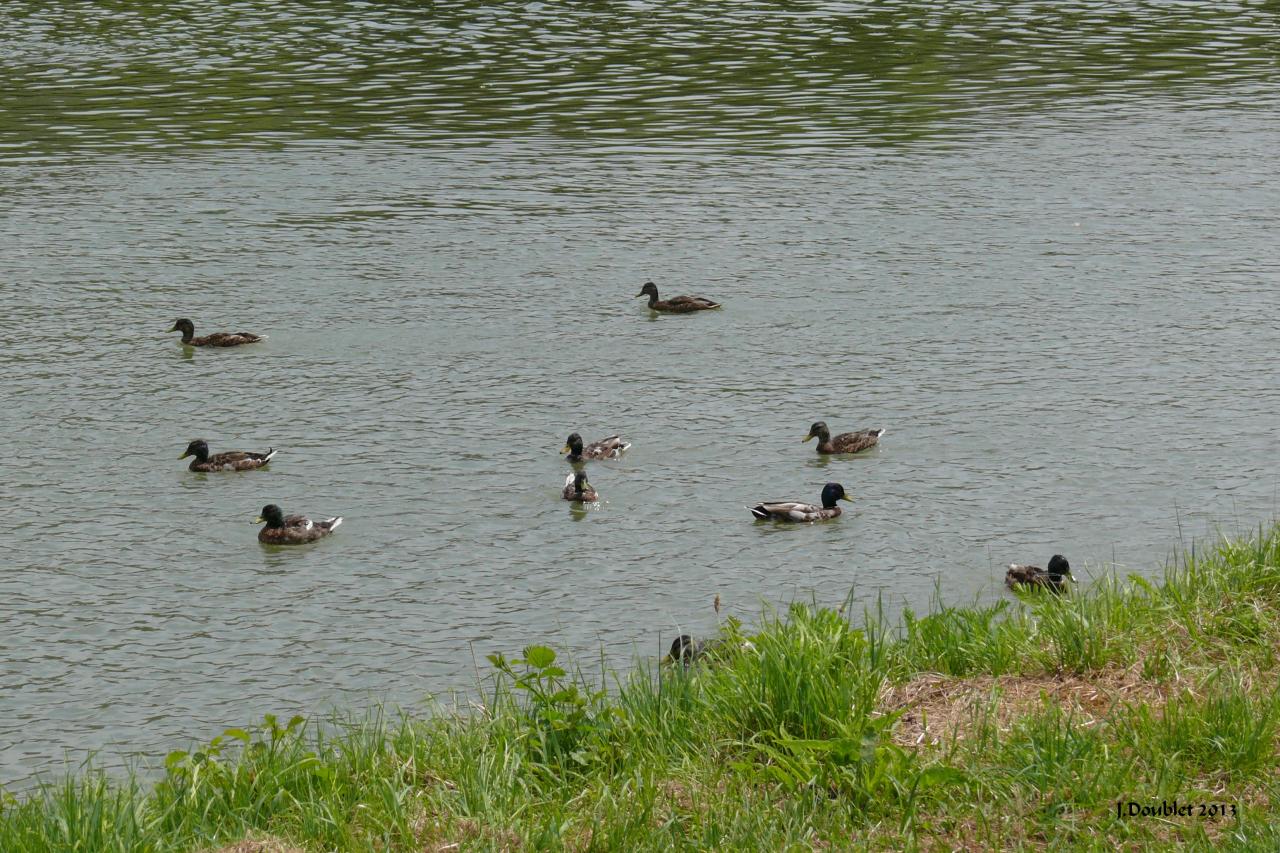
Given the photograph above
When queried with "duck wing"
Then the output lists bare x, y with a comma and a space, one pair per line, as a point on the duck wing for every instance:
1025, 576
606, 448
227, 339
853, 442
791, 511
690, 303
237, 460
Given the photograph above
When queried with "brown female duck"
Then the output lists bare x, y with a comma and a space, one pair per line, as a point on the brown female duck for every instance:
846, 442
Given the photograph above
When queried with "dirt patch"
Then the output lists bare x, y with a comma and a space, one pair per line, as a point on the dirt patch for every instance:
462, 834
262, 844
940, 707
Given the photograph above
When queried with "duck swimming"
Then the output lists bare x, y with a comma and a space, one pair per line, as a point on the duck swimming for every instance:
796, 511
231, 460
292, 529
1054, 579
676, 304
576, 488
606, 448
847, 442
217, 339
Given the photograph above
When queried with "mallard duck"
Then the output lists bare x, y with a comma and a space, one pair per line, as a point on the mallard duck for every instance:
795, 511
676, 304
1054, 579
846, 442
606, 448
292, 529
232, 460
685, 650
217, 339
576, 488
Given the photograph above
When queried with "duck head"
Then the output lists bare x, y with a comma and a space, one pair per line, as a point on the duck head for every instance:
681, 650
1059, 566
185, 326
819, 431
573, 445
580, 483
198, 448
272, 515
650, 290
833, 492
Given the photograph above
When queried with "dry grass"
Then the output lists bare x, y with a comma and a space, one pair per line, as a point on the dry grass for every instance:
938, 707
262, 844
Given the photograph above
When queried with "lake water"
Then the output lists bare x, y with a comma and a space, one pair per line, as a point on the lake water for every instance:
1037, 243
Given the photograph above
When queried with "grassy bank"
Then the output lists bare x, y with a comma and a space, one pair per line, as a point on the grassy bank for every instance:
1019, 725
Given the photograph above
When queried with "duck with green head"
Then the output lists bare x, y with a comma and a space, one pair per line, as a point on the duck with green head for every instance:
676, 304
606, 448
284, 529
217, 339
846, 442
230, 460
1055, 578
576, 488
795, 511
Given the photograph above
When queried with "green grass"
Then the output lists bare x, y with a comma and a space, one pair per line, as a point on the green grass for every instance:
1017, 725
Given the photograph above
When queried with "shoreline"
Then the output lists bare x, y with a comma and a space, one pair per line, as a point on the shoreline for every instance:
1126, 713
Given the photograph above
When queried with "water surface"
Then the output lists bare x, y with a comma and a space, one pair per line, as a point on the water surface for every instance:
1036, 243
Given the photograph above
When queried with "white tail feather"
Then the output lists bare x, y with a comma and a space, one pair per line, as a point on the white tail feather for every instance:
334, 522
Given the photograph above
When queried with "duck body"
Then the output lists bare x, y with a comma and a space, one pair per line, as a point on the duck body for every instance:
846, 442
1055, 578
795, 511
606, 448
576, 488
284, 529
231, 460
676, 304
217, 339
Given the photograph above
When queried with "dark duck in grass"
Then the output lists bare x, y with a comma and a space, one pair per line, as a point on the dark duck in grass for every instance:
685, 650
1055, 578
231, 460
576, 488
284, 529
676, 304
846, 442
217, 339
606, 448
796, 511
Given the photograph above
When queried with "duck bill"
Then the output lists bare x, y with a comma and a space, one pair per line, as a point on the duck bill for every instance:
848, 498
667, 660
806, 438
185, 455
259, 520
566, 449
639, 295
